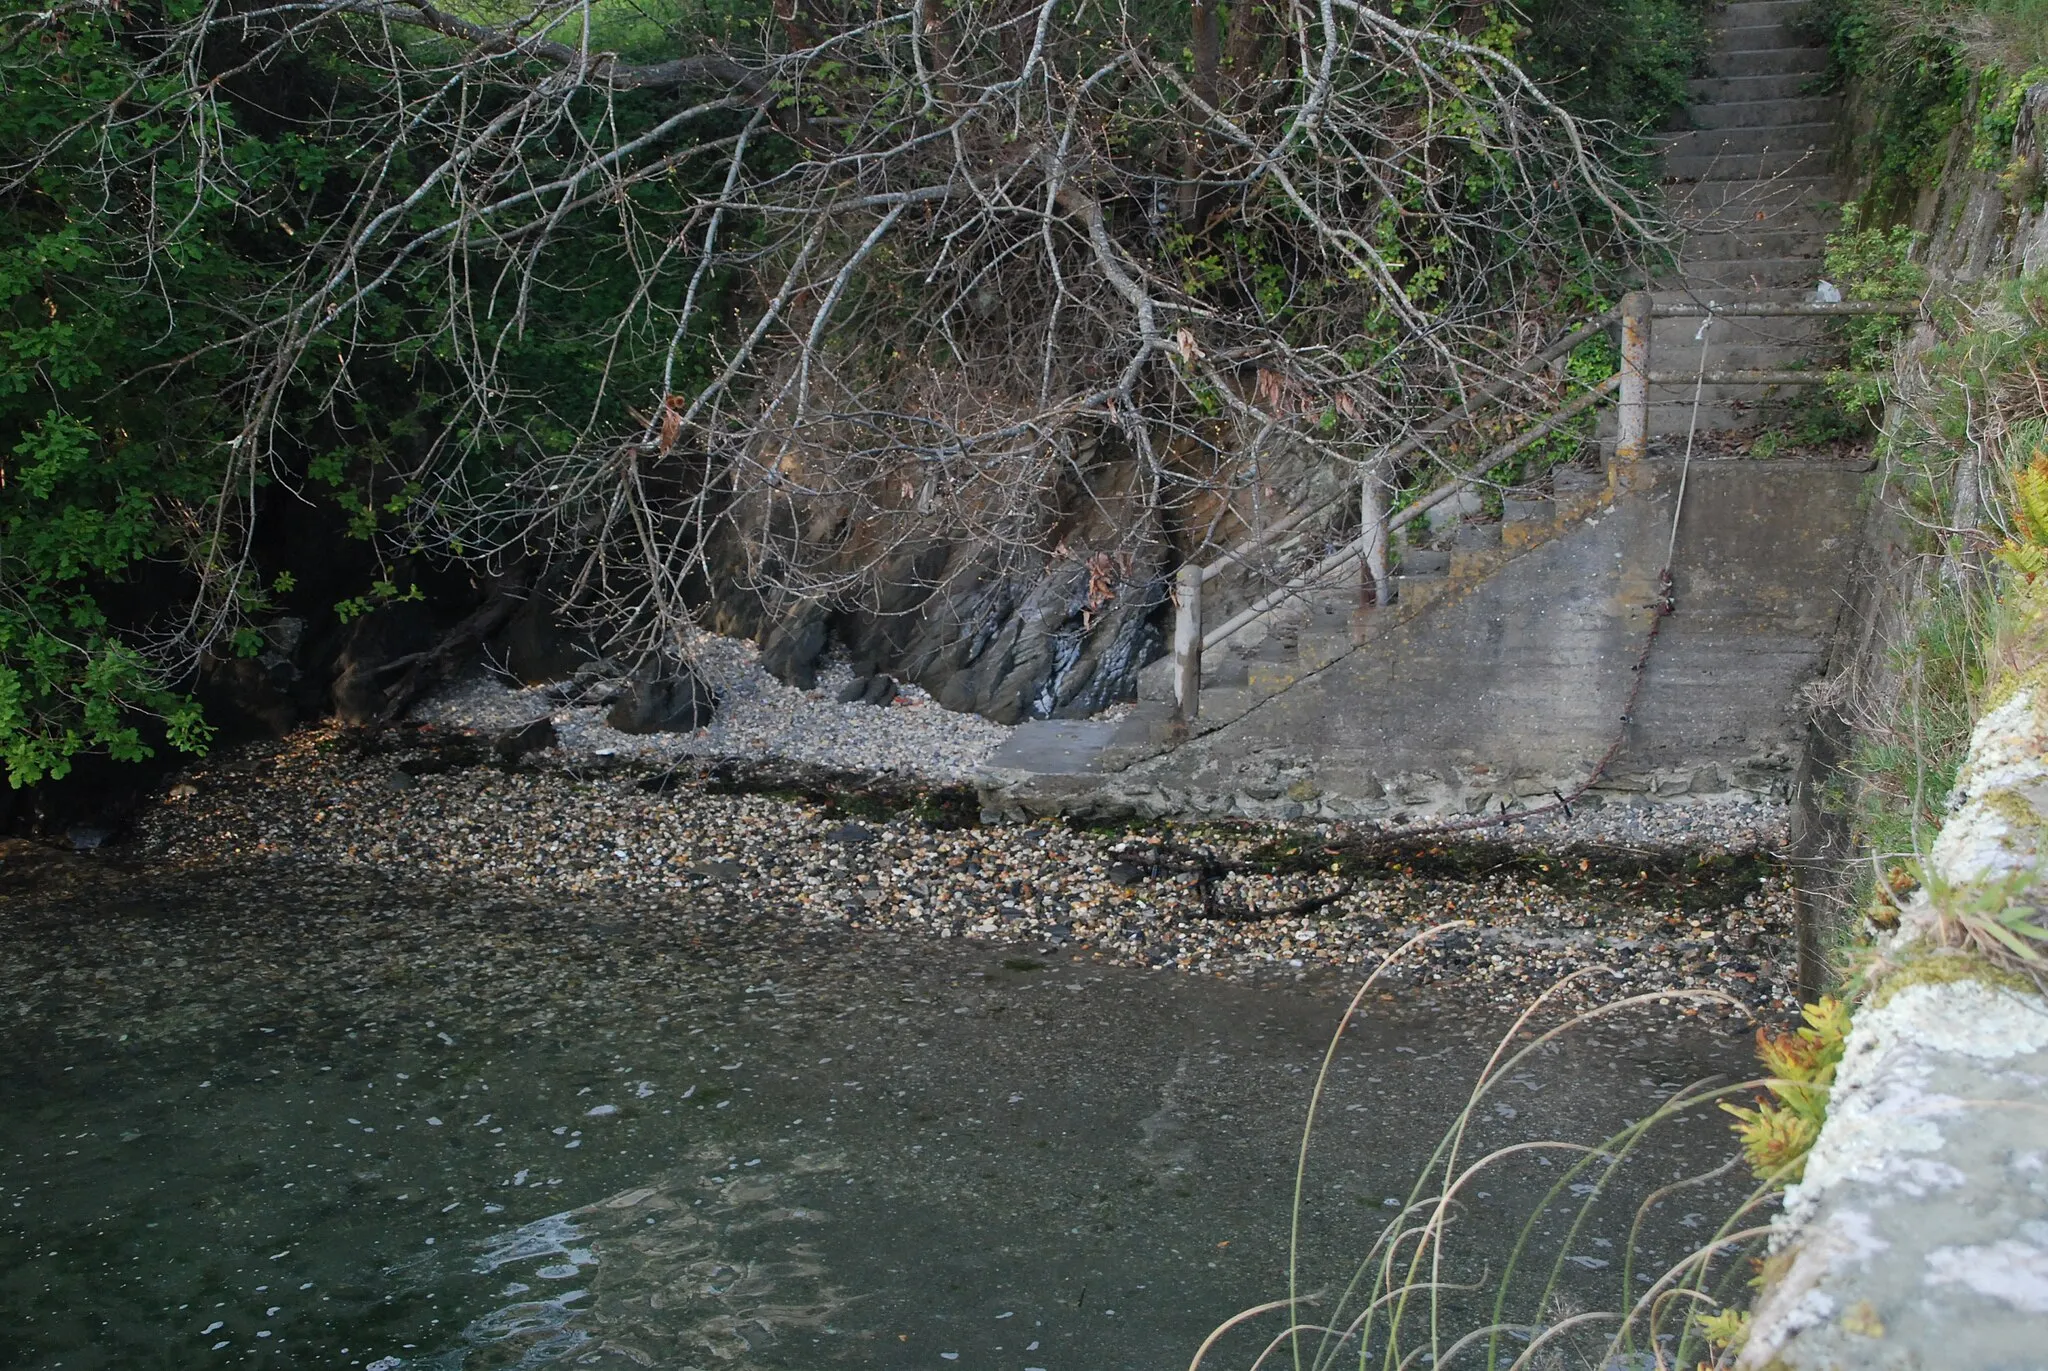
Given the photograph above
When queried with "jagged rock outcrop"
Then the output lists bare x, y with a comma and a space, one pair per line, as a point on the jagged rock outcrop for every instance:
1055, 623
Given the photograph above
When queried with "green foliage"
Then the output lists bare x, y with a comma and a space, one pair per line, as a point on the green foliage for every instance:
1725, 1330
1922, 70
158, 222
1778, 1132
1870, 263
1998, 920
1979, 423
127, 298
382, 592
1624, 61
1905, 770
2026, 548
99, 486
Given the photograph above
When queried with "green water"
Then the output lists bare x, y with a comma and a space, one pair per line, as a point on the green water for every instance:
268, 1116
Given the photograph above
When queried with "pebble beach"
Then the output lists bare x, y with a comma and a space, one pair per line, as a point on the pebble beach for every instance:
779, 814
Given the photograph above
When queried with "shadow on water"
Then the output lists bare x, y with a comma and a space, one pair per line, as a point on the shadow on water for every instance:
275, 1116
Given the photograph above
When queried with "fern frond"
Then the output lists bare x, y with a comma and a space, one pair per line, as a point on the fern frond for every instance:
2029, 561
2030, 502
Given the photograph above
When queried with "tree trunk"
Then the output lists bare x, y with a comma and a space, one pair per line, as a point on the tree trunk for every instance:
1249, 24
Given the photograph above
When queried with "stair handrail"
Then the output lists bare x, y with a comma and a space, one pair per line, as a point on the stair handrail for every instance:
1352, 550
1409, 445
1632, 380
1189, 642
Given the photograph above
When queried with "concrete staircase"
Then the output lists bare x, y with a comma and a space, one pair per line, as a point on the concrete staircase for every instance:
1748, 186
1304, 636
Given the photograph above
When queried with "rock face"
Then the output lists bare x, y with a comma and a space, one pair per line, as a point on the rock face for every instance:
1052, 624
537, 648
514, 743
265, 693
370, 644
877, 689
666, 698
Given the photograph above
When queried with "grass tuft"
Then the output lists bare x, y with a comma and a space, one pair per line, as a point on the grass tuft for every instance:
1412, 1298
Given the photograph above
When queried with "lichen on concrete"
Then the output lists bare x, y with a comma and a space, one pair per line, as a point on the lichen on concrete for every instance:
1919, 1234
1994, 830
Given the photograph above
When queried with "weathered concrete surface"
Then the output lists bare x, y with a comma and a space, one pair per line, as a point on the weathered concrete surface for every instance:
1919, 1236
1514, 684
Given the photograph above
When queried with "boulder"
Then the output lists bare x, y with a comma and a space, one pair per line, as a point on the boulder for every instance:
878, 689
514, 743
668, 699
538, 649
793, 647
363, 670
260, 694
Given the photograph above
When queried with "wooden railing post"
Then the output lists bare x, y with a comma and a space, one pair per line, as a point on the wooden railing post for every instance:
1187, 643
1632, 426
1372, 534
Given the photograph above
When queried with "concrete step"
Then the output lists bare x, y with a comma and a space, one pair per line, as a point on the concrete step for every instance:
1317, 650
1808, 62
1766, 33
1785, 204
1784, 31
1747, 139
1741, 241
1668, 421
1736, 90
1676, 399
1221, 704
1746, 12
1747, 274
1682, 353
1777, 113
1782, 341
1747, 166
1054, 747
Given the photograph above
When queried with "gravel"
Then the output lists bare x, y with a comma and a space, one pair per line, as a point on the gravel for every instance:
1669, 898
758, 716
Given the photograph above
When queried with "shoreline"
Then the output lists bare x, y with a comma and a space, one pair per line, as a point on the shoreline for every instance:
1706, 906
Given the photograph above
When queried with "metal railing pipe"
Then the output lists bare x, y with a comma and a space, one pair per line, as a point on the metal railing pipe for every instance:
1765, 309
1751, 378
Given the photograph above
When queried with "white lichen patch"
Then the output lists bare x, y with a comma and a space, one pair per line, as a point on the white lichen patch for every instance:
2010, 1271
1994, 831
1886, 1113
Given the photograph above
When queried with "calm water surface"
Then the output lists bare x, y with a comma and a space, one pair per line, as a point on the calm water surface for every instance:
271, 1116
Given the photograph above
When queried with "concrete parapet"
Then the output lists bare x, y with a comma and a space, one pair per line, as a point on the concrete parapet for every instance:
1918, 1236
